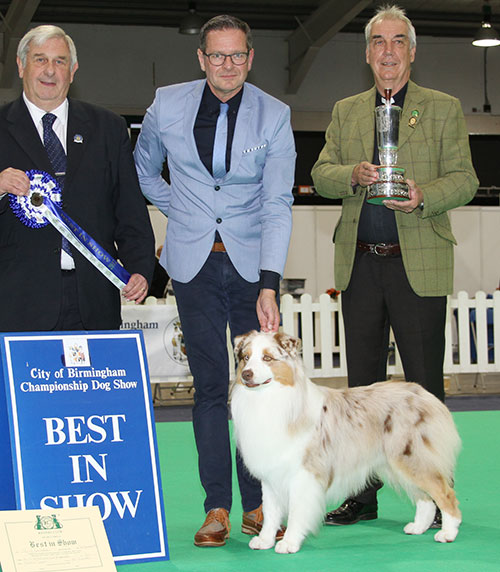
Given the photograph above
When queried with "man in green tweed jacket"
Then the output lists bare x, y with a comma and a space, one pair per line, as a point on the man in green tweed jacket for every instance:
394, 262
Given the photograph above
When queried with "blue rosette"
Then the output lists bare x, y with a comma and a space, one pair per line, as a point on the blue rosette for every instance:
42, 206
30, 209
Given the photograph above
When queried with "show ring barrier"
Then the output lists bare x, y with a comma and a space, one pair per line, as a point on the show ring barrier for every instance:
472, 337
472, 330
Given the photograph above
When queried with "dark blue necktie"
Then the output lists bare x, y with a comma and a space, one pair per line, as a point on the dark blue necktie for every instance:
220, 143
57, 157
54, 148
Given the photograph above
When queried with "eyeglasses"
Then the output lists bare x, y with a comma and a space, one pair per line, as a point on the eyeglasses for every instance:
217, 59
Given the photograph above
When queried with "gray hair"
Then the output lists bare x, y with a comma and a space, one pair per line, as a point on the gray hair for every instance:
41, 34
225, 22
389, 12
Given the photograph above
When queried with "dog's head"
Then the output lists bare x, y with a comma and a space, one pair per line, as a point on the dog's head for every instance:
265, 357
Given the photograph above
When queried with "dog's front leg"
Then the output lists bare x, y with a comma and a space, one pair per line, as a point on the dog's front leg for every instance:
272, 520
306, 508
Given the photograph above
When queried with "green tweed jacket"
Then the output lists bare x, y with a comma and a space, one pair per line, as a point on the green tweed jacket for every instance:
435, 152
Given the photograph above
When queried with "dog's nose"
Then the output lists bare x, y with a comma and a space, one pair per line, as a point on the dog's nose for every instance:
247, 374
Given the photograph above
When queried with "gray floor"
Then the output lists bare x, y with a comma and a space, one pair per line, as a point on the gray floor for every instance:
466, 392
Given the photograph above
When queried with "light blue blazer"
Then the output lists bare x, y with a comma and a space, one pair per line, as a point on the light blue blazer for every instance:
250, 206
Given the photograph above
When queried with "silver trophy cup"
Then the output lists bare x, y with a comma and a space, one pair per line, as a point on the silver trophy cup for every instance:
391, 179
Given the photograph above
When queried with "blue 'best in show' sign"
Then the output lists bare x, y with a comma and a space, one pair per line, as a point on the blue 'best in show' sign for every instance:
81, 432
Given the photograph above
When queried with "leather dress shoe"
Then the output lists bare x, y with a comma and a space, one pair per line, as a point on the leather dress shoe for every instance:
438, 520
252, 523
350, 512
215, 529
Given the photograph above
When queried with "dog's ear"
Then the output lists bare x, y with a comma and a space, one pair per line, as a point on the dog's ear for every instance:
290, 344
239, 341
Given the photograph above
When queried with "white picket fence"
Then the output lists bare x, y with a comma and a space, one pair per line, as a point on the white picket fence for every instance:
472, 330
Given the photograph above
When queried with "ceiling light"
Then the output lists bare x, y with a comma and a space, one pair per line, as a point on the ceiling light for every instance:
486, 36
192, 23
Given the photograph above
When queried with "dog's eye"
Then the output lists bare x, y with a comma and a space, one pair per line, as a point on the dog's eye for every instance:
267, 358
246, 357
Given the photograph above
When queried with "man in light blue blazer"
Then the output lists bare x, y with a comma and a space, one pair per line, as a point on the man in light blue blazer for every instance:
228, 203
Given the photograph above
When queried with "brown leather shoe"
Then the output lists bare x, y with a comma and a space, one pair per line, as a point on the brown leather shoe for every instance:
252, 523
215, 529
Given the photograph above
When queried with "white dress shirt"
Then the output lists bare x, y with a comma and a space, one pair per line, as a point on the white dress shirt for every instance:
60, 128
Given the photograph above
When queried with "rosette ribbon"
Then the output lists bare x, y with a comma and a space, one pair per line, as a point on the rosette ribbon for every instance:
42, 206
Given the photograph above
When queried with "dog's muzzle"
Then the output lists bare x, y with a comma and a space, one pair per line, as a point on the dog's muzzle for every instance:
247, 379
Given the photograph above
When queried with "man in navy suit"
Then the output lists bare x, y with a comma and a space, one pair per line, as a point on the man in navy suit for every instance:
42, 286
227, 236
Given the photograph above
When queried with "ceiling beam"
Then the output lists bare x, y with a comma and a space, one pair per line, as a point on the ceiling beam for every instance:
306, 41
13, 27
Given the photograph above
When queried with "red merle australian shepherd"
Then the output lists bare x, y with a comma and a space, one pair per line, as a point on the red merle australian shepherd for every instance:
310, 445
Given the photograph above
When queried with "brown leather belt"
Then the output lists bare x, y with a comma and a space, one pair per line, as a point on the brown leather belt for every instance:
218, 247
380, 249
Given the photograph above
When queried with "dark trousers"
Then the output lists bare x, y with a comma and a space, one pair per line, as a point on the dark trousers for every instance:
217, 296
379, 295
69, 318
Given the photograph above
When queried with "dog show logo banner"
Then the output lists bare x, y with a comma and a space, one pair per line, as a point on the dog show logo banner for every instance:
77, 430
163, 337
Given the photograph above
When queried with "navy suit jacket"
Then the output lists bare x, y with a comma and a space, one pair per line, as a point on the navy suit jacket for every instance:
101, 194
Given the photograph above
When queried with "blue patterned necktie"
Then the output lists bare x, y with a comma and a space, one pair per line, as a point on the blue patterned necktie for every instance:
57, 158
220, 143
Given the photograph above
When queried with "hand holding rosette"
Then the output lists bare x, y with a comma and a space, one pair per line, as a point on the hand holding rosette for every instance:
29, 209
42, 206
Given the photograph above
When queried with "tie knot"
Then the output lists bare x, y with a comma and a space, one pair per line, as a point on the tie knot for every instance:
48, 120
223, 108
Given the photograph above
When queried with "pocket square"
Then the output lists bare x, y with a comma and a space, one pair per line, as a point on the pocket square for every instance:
256, 148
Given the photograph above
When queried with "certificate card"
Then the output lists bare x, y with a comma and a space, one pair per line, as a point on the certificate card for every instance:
54, 541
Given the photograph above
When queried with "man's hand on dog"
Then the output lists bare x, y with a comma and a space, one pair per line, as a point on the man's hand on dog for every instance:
267, 311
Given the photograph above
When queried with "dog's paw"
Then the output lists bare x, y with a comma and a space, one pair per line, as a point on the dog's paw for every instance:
287, 547
258, 543
445, 535
414, 528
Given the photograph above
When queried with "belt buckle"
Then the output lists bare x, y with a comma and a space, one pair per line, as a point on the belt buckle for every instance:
375, 247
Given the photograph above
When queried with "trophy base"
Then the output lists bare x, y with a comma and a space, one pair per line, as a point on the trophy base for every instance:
391, 185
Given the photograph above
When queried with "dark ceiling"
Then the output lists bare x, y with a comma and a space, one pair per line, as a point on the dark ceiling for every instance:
310, 23
448, 18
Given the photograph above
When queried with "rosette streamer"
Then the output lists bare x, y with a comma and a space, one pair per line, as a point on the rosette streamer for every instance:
42, 206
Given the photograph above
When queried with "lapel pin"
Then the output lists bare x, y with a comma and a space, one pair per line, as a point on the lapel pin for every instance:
413, 119
78, 138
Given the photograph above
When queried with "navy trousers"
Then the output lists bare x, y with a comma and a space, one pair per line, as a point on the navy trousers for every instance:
217, 296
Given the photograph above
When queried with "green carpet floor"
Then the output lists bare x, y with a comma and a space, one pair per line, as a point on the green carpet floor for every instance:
374, 546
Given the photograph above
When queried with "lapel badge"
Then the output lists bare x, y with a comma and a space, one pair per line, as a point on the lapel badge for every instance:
413, 119
78, 138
